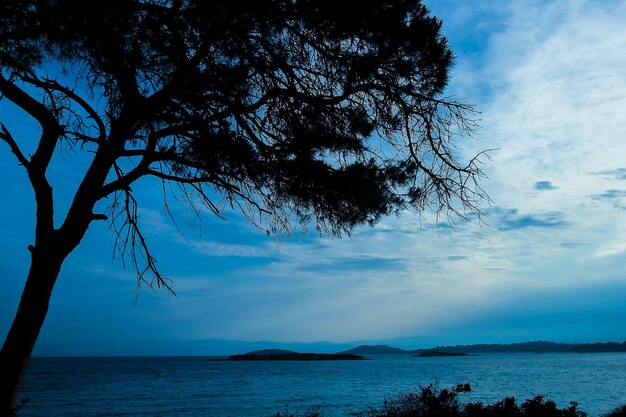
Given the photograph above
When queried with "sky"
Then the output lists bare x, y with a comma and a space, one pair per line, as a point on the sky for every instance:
549, 81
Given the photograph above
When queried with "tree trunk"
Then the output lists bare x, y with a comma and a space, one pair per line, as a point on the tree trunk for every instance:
45, 267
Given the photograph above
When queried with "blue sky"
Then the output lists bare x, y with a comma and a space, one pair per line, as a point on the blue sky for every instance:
549, 80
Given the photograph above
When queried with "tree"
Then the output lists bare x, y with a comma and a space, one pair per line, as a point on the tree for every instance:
293, 111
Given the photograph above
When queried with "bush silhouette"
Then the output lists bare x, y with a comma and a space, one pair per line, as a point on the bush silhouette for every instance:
618, 412
431, 401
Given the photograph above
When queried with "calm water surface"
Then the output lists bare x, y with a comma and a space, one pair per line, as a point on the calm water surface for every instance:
194, 387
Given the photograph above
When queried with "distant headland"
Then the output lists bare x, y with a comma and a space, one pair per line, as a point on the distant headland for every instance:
439, 351
218, 348
526, 347
288, 355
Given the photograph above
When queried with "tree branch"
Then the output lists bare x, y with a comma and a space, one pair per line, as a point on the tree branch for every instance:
8, 138
50, 125
135, 238
50, 84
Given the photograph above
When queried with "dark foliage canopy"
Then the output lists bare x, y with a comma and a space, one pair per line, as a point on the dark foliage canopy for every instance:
293, 112
296, 112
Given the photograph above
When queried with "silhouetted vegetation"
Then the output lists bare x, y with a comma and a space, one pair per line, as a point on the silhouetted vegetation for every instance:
618, 412
427, 401
431, 401
310, 412
599, 347
298, 114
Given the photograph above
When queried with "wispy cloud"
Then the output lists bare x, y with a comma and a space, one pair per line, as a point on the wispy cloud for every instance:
618, 174
212, 248
511, 219
551, 88
616, 197
544, 186
611, 249
549, 80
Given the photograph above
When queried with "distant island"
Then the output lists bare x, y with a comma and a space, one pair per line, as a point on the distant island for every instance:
439, 351
373, 350
288, 355
433, 353
536, 347
525, 347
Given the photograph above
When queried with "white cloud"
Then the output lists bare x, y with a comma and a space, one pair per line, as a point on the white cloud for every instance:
556, 112
555, 106
211, 248
611, 249
550, 81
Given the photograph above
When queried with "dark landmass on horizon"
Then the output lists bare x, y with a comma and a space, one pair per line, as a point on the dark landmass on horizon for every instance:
374, 350
525, 347
270, 352
287, 355
219, 348
439, 351
436, 353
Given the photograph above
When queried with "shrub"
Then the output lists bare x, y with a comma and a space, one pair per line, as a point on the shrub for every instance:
618, 412
315, 411
430, 401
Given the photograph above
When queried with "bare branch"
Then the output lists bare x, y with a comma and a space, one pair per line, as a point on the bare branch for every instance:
8, 138
50, 125
53, 85
130, 240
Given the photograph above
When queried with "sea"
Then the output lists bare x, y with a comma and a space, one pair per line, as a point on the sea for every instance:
199, 387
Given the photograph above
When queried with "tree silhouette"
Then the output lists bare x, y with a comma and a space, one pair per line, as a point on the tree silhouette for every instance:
295, 112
